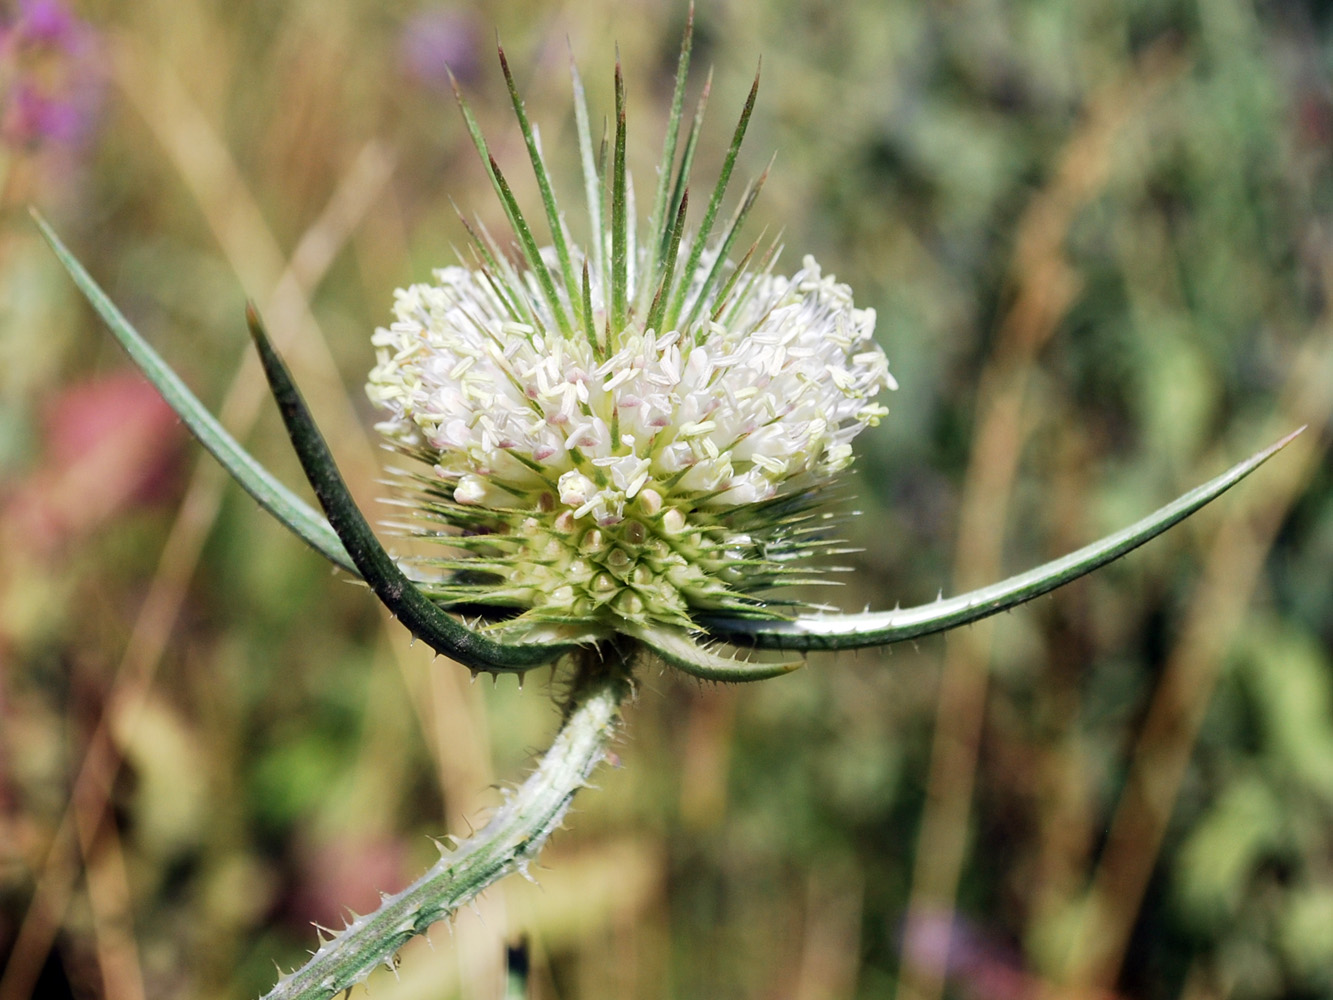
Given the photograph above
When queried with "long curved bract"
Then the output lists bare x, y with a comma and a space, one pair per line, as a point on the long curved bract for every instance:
256, 480
347, 541
878, 628
425, 619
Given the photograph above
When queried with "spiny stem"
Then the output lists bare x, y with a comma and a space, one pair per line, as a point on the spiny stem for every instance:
512, 838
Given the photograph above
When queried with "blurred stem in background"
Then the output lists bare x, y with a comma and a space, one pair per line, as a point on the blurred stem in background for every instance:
1231, 576
211, 175
1044, 286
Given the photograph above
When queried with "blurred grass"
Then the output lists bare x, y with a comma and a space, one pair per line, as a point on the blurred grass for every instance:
1097, 238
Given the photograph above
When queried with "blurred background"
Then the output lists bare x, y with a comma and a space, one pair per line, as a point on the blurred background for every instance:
1097, 236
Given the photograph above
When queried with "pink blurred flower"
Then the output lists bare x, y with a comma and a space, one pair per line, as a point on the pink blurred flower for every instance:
107, 446
979, 966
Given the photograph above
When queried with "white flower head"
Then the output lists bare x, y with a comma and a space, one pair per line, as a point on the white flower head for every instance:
633, 435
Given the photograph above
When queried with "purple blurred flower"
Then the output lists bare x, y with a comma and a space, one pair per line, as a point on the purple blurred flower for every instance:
31, 116
47, 22
979, 966
436, 41
50, 75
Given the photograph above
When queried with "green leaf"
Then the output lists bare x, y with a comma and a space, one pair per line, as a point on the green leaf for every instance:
414, 609
531, 252
272, 495
878, 628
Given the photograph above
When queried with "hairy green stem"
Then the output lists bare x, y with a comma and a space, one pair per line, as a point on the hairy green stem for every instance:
512, 838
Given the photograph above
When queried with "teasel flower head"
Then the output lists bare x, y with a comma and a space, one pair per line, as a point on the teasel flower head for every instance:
622, 436
624, 444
